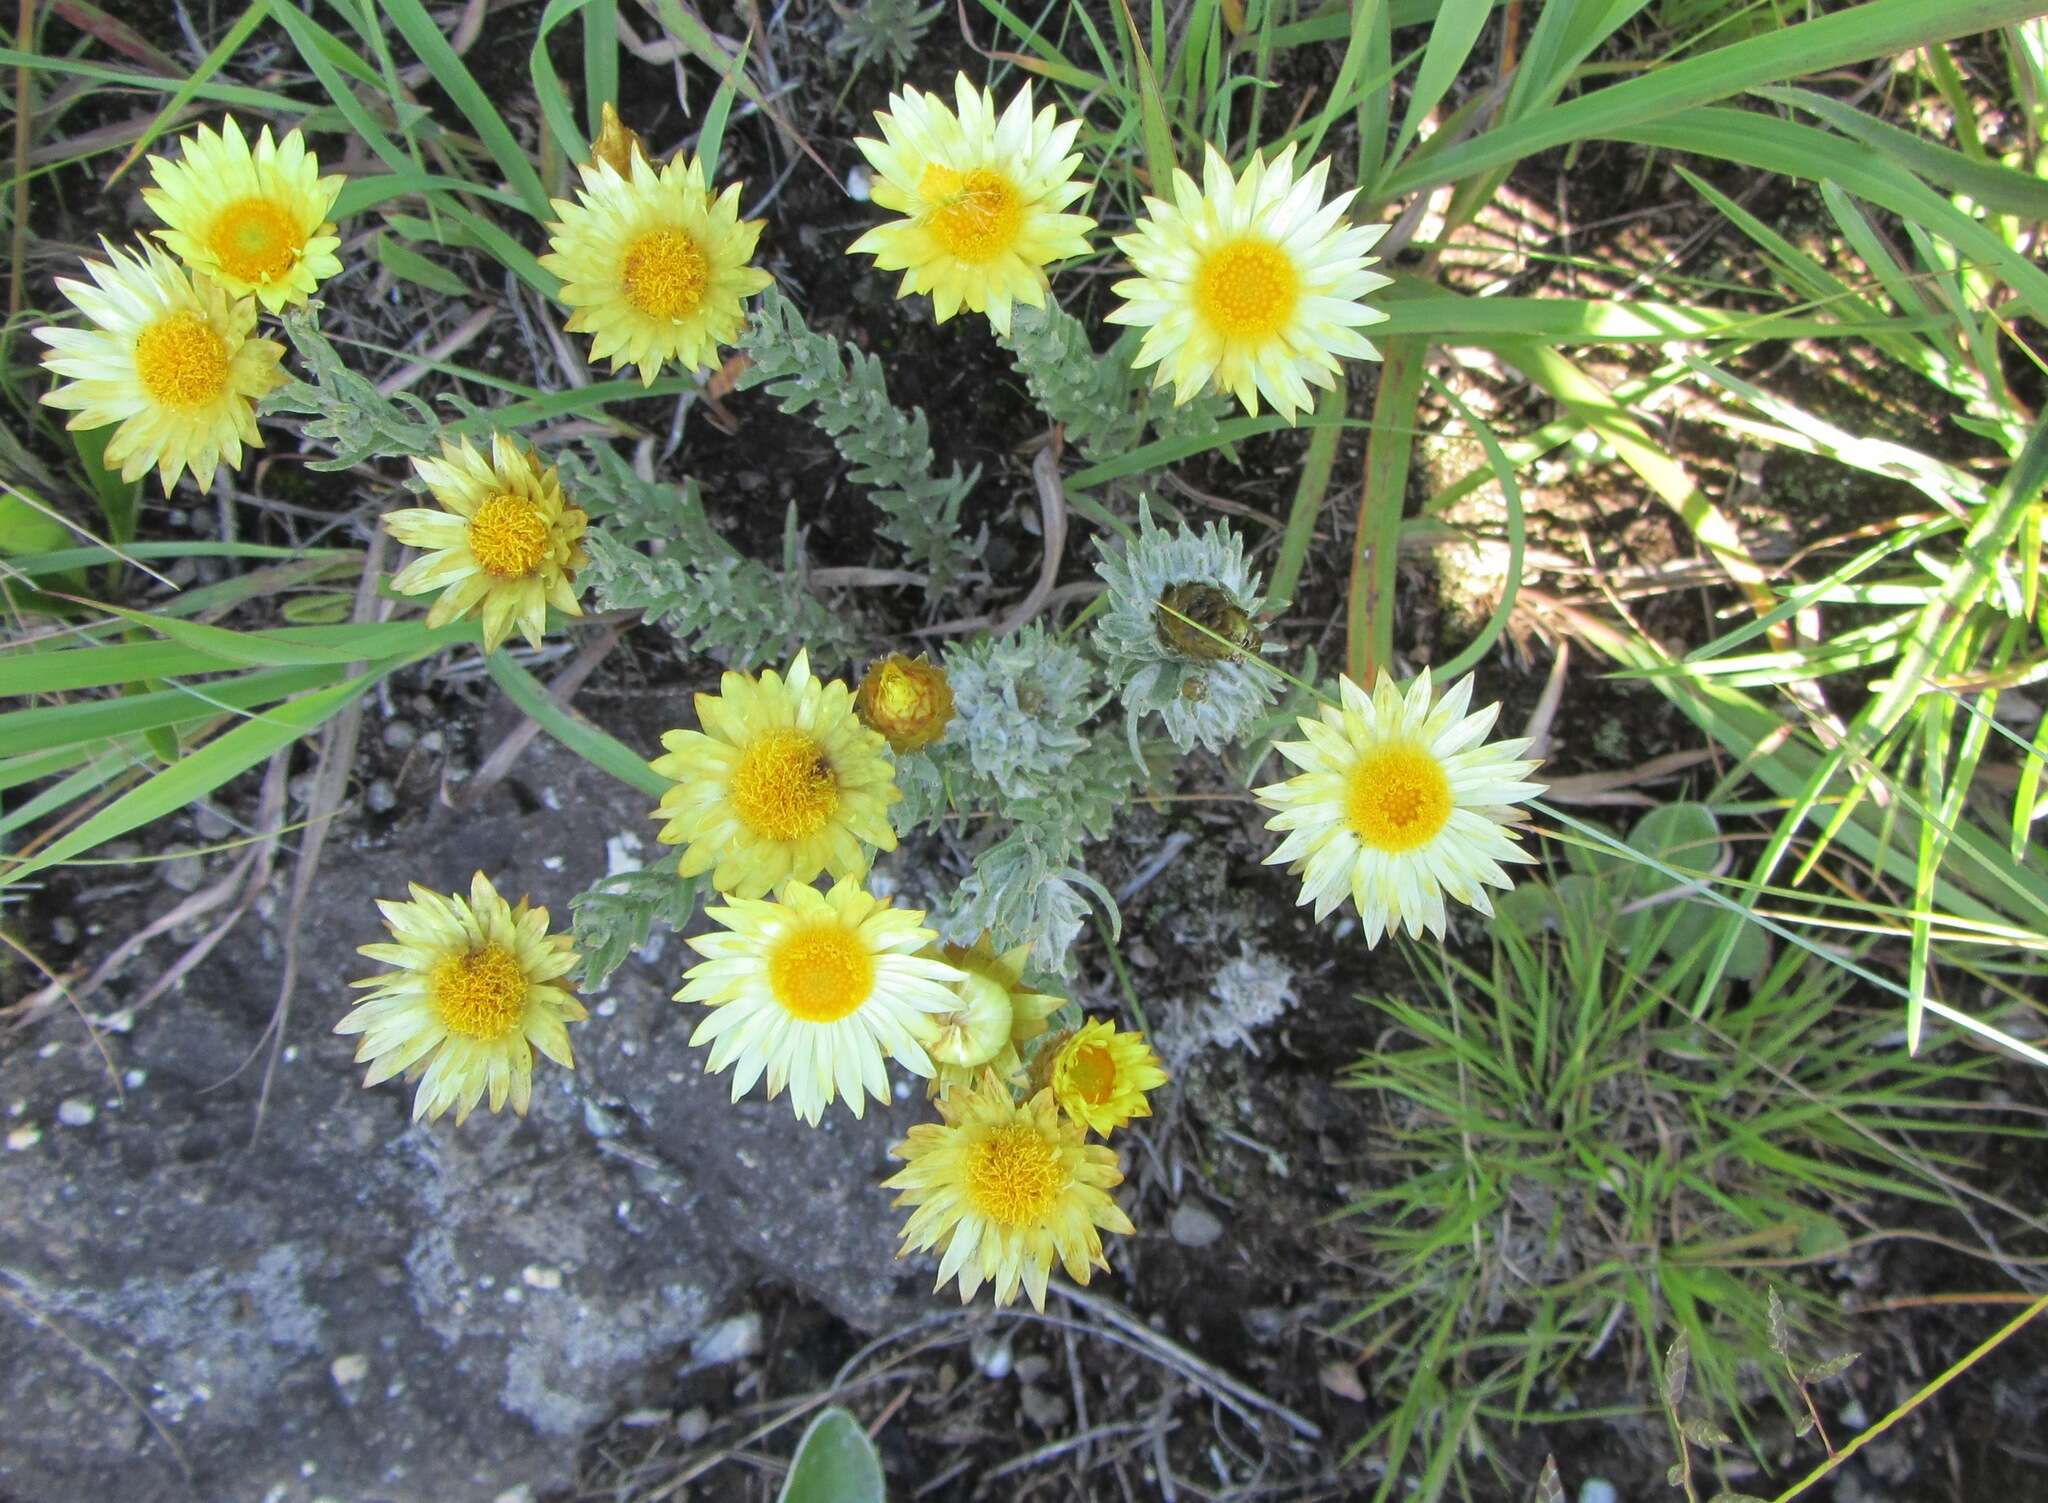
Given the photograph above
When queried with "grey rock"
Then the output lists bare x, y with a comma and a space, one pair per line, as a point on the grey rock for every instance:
399, 734
210, 824
1597, 1490
1194, 1225
732, 1340
64, 929
356, 1306
1044, 1409
692, 1425
74, 1112
380, 796
185, 873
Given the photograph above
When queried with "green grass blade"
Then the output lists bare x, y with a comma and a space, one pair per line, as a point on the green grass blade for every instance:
599, 748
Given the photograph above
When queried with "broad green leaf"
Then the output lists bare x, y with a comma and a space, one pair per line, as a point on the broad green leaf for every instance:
835, 1462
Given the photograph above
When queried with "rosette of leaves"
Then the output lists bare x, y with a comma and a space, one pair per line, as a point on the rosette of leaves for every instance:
1180, 635
1019, 703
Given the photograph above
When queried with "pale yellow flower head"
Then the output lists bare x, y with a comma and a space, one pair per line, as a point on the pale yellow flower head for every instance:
983, 200
253, 219
782, 782
168, 357
1001, 1190
813, 990
1249, 284
1100, 1075
652, 266
1400, 800
475, 987
505, 544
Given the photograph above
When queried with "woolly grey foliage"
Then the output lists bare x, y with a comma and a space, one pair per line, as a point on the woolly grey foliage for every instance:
876, 29
615, 914
1208, 694
1025, 887
1097, 399
890, 451
345, 411
1019, 704
703, 591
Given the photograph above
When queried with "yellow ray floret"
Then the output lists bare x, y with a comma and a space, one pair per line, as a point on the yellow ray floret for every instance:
812, 990
782, 782
474, 990
1249, 285
254, 220
506, 545
982, 200
996, 1012
1100, 1075
1399, 802
1001, 1190
169, 358
652, 267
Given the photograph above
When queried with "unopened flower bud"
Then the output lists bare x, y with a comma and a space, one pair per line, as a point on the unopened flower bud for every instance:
615, 145
1191, 616
907, 700
977, 1030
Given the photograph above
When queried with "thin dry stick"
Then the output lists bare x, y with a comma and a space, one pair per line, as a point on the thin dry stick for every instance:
1956, 1370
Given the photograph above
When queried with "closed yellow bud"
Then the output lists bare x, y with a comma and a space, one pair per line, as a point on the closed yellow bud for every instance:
615, 145
978, 1029
907, 700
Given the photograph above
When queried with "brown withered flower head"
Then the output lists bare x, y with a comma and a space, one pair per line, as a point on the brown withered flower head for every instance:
616, 146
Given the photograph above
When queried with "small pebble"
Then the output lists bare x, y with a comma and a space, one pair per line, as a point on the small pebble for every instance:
73, 1112
210, 823
1030, 1369
1597, 1490
1194, 1225
301, 787
381, 797
643, 1419
1046, 1410
1854, 1415
535, 1276
64, 930
731, 1340
185, 873
991, 1354
692, 1425
432, 741
134, 1078
398, 735
23, 1138
352, 1368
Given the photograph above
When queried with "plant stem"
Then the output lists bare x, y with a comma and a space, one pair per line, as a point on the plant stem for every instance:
1389, 449
1308, 496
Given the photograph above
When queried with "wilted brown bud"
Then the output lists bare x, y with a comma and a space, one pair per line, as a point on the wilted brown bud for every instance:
1187, 615
615, 145
906, 699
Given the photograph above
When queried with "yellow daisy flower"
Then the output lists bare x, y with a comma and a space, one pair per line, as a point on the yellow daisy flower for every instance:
995, 1012
507, 541
1100, 1075
782, 783
982, 200
1001, 1190
1398, 803
1250, 285
907, 699
652, 266
474, 992
812, 989
253, 220
169, 358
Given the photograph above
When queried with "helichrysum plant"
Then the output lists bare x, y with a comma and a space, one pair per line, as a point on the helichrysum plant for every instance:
1180, 633
504, 544
653, 267
984, 200
1250, 284
170, 357
475, 986
781, 783
813, 990
254, 220
1400, 801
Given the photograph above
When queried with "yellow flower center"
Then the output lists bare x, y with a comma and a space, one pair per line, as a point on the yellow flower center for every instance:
1014, 1176
784, 787
974, 215
508, 536
1398, 799
821, 972
254, 240
665, 274
1092, 1071
481, 995
182, 361
1247, 289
